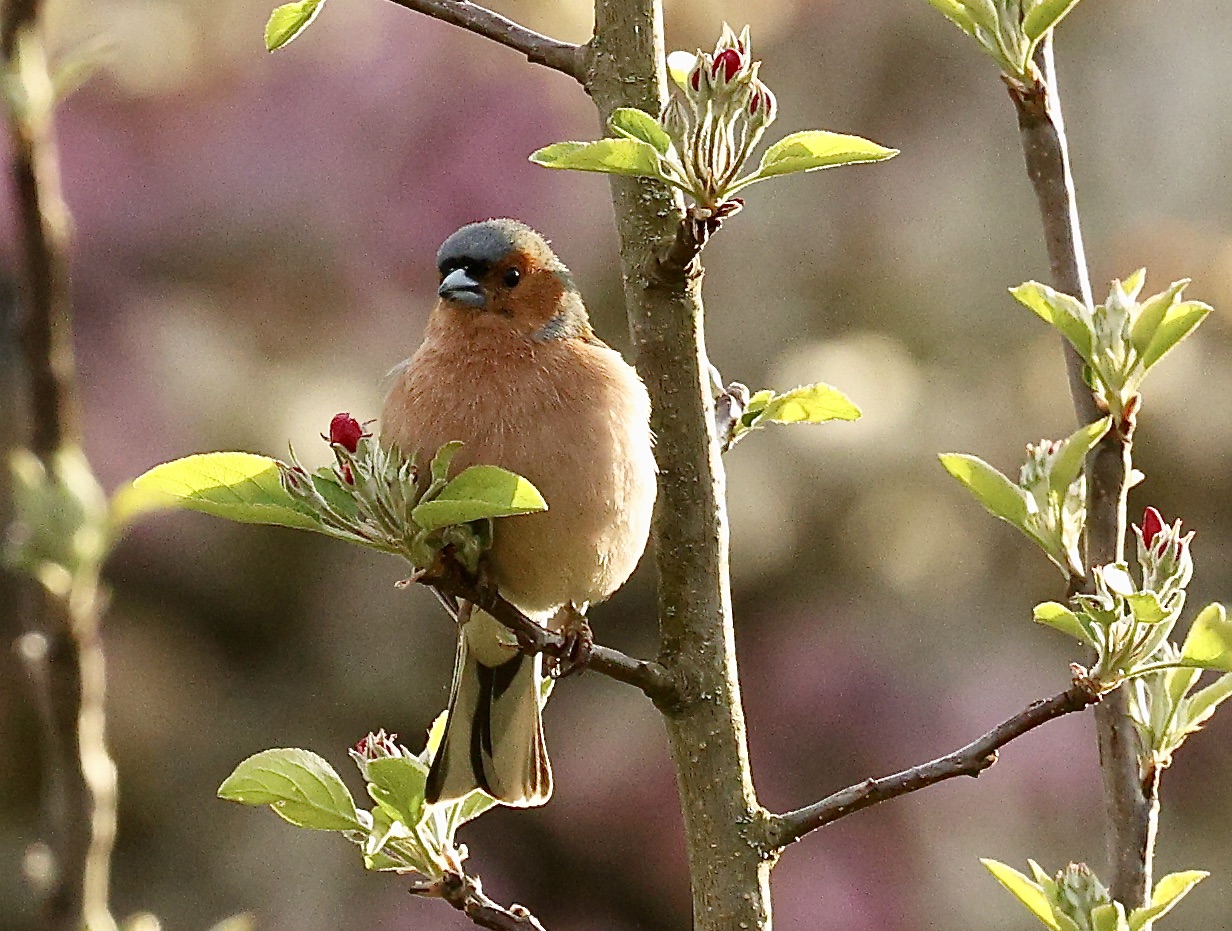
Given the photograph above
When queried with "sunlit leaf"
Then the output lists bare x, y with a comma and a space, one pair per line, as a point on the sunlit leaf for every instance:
1180, 320
289, 20
956, 13
1108, 917
1044, 16
1065, 313
238, 486
997, 493
810, 404
813, 149
1146, 608
300, 786
397, 782
636, 124
1061, 618
1209, 642
1025, 891
1202, 704
1168, 892
1068, 462
478, 492
611, 156
1151, 314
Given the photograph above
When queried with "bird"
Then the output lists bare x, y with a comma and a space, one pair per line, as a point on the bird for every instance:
511, 367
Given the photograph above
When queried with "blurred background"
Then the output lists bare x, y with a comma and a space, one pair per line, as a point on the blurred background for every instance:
254, 251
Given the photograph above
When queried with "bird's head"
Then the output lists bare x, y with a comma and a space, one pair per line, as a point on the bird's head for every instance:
501, 274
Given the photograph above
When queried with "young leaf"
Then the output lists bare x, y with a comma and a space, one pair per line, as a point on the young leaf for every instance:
1045, 15
637, 124
443, 459
1209, 642
809, 404
1168, 891
1151, 314
300, 786
813, 149
956, 13
1061, 618
1108, 917
398, 784
1201, 705
1065, 313
288, 21
237, 486
1025, 891
478, 492
997, 493
1146, 608
612, 156
1068, 462
1180, 320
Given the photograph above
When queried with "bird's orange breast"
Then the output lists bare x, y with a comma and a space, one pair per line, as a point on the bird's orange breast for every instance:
571, 416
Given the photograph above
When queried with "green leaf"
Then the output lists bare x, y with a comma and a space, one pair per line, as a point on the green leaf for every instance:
956, 13
1146, 608
472, 805
1109, 917
1025, 891
1151, 314
1180, 320
1168, 891
1209, 642
809, 404
1068, 462
443, 460
1061, 618
997, 493
398, 784
237, 486
1065, 313
813, 149
300, 787
1201, 705
637, 124
611, 156
478, 492
288, 21
1045, 15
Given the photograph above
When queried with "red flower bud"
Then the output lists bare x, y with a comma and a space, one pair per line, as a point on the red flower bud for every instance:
347, 475
695, 79
1152, 523
754, 102
346, 431
730, 61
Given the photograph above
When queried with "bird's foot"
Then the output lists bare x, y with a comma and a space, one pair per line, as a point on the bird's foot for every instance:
579, 642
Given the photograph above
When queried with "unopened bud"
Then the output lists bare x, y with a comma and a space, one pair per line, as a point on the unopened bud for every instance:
346, 431
1152, 523
729, 62
378, 746
676, 119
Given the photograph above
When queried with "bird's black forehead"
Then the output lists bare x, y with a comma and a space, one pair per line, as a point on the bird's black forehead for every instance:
482, 245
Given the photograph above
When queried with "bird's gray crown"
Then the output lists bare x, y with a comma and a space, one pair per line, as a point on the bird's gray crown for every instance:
476, 247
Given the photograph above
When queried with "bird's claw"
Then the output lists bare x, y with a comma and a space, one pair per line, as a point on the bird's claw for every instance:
579, 643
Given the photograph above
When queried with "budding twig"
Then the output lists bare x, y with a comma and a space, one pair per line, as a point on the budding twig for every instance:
465, 893
653, 679
539, 49
970, 760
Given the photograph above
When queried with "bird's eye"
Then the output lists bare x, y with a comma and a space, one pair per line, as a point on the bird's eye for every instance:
512, 277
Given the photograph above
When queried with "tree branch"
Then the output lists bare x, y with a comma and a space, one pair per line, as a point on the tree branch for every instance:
539, 49
652, 678
970, 760
1108, 467
465, 893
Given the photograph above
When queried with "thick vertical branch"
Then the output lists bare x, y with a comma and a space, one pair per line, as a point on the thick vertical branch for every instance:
1128, 810
61, 647
729, 869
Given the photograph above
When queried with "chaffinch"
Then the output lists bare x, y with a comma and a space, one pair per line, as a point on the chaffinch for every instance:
510, 366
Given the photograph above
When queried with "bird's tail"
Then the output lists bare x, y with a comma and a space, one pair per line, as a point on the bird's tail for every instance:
494, 732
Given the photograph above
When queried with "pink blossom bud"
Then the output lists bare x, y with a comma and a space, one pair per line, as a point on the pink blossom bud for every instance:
1152, 523
729, 61
346, 431
378, 746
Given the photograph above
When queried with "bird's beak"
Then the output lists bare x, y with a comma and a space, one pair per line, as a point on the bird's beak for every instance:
461, 288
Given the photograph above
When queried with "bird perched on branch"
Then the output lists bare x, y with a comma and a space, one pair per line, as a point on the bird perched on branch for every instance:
510, 366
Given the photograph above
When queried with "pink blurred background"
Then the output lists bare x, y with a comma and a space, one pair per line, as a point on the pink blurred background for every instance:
254, 251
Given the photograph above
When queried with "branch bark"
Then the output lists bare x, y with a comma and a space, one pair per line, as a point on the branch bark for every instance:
1127, 806
539, 49
465, 893
728, 867
970, 760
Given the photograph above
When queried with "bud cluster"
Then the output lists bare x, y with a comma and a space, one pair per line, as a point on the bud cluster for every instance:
1057, 516
1163, 555
716, 116
1077, 893
370, 492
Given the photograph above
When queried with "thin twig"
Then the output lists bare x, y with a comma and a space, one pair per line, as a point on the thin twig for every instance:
465, 893
970, 760
564, 57
1046, 151
652, 678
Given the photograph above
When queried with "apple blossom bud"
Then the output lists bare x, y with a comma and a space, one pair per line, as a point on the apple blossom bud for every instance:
346, 431
1152, 523
729, 62
676, 119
